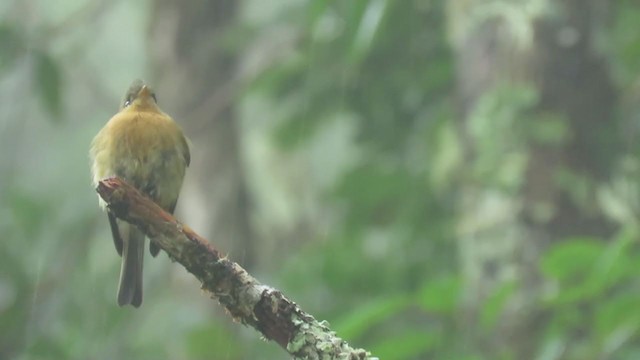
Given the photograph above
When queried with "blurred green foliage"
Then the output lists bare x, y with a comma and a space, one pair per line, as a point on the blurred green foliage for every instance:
20, 46
397, 85
48, 77
387, 274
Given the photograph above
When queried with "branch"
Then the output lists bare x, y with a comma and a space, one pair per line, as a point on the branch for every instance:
262, 307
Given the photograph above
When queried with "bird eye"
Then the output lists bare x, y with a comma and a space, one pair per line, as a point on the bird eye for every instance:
127, 101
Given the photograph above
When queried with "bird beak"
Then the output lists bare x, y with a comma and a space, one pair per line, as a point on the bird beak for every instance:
144, 93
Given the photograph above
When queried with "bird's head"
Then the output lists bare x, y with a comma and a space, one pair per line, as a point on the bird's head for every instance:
139, 95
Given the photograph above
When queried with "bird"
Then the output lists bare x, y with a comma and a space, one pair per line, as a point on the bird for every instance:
147, 149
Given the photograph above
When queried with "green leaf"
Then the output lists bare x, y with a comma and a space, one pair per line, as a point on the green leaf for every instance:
586, 268
571, 259
441, 295
615, 263
357, 322
368, 24
408, 344
618, 315
494, 305
48, 83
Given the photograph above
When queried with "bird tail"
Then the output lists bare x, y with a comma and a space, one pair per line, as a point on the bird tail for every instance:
130, 287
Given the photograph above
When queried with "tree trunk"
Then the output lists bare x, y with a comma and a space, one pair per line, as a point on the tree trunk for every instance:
195, 74
557, 140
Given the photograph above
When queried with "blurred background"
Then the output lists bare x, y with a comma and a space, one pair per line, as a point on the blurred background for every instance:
437, 179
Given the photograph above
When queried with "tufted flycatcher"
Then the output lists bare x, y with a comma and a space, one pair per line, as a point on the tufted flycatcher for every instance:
147, 149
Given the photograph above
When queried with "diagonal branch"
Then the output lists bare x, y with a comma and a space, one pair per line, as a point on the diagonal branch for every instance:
262, 307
